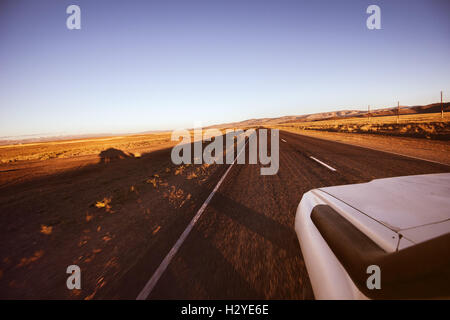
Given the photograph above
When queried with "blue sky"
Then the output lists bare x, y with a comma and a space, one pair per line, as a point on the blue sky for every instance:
151, 65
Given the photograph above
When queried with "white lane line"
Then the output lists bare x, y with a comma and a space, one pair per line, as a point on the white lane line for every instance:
283, 140
323, 163
374, 149
145, 292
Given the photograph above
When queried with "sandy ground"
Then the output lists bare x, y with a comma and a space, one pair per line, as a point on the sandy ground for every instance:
427, 126
432, 150
132, 144
100, 215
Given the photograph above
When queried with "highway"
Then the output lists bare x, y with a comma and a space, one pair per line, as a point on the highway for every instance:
244, 245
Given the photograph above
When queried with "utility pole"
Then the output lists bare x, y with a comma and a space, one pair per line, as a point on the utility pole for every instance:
398, 111
442, 108
368, 112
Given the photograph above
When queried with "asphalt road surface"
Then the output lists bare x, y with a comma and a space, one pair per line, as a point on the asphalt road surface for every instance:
244, 245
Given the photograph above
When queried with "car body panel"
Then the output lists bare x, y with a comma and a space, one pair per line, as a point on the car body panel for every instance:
427, 232
328, 277
402, 202
391, 225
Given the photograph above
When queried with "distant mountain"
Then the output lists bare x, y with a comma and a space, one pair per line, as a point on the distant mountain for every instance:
431, 108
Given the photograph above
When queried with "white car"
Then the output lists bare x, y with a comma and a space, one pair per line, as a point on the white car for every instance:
400, 225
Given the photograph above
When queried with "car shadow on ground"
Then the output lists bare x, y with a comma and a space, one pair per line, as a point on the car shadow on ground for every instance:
112, 154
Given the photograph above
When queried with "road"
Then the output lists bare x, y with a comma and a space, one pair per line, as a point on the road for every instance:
118, 220
244, 245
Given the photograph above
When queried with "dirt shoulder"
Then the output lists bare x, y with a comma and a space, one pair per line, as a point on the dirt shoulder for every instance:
432, 150
113, 207
102, 216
